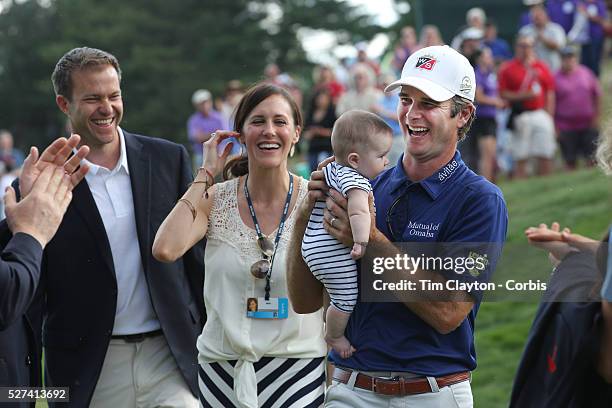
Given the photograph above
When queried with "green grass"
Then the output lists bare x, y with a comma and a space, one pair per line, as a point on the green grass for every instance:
579, 200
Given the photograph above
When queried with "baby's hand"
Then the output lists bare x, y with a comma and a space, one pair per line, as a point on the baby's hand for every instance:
359, 249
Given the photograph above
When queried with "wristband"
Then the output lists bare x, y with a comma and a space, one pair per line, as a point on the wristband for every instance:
208, 185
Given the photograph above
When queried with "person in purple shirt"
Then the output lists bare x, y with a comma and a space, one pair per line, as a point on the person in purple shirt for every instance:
566, 13
559, 11
592, 50
578, 96
202, 123
488, 101
562, 12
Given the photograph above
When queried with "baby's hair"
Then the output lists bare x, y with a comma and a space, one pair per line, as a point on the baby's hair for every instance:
353, 129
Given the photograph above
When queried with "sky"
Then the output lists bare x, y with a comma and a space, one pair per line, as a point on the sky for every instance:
321, 46
382, 10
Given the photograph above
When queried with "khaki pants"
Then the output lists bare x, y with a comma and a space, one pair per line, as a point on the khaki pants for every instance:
534, 135
341, 395
141, 375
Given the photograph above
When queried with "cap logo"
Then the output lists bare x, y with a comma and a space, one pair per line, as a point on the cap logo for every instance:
466, 85
426, 62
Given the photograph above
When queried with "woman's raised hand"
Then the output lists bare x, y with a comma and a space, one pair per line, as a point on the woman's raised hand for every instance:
212, 160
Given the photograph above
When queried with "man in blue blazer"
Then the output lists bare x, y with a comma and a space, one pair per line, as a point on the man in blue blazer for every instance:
28, 227
120, 328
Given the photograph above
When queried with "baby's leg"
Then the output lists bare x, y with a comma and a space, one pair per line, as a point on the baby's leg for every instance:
335, 325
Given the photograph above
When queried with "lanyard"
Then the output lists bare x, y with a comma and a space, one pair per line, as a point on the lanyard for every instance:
281, 225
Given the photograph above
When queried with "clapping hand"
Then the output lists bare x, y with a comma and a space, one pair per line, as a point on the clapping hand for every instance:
40, 213
57, 154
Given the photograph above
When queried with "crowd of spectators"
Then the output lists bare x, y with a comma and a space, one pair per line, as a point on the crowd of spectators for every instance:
542, 93
533, 97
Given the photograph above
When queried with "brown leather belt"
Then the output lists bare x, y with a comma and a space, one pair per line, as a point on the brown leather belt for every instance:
398, 386
138, 337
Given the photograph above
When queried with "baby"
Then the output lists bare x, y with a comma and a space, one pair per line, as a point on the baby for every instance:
360, 141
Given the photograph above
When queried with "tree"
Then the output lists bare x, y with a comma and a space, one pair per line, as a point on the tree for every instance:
167, 49
26, 108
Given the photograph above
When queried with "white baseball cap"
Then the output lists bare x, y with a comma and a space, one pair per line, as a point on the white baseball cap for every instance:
472, 33
200, 96
440, 72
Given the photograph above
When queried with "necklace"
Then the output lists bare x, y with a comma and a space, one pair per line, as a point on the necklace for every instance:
263, 268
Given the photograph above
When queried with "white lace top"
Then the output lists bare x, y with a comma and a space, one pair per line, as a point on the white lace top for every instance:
228, 334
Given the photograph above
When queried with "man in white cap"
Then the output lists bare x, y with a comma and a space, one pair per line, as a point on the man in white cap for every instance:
414, 346
204, 121
475, 19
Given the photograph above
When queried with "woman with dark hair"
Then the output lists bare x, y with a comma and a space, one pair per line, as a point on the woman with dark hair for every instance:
319, 124
273, 356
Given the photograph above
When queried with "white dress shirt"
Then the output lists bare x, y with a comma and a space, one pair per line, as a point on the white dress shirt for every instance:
112, 192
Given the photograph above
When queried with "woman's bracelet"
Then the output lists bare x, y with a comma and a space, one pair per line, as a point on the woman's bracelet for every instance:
191, 207
208, 173
206, 182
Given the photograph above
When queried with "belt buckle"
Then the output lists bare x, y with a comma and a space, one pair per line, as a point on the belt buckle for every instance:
402, 384
400, 380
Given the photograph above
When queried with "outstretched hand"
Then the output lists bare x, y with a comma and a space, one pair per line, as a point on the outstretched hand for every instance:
551, 240
542, 233
57, 154
542, 236
41, 212
580, 242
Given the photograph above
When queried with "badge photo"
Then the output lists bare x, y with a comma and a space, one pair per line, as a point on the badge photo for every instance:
273, 308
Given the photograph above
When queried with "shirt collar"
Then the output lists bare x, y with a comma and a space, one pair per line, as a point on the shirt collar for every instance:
435, 184
122, 163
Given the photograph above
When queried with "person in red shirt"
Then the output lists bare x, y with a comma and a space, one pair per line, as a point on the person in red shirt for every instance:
528, 86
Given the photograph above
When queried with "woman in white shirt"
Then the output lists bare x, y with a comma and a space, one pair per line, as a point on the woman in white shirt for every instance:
271, 356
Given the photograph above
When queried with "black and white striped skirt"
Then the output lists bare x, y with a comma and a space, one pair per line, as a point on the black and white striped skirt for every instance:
281, 382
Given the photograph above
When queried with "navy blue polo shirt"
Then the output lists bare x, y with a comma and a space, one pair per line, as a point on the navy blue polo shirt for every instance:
462, 207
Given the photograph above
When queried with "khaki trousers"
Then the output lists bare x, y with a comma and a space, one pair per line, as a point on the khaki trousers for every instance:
341, 395
141, 375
